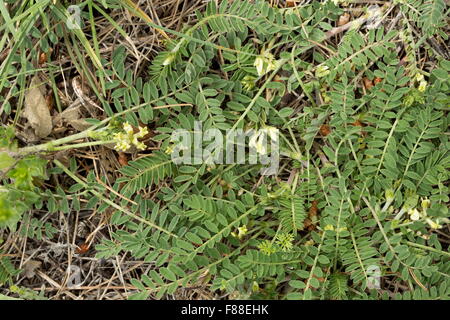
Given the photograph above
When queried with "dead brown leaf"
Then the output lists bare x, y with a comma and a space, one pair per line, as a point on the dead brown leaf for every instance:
325, 130
367, 83
343, 19
30, 268
36, 110
72, 116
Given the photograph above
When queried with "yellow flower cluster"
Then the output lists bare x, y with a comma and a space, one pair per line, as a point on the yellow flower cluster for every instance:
265, 62
248, 83
415, 215
127, 138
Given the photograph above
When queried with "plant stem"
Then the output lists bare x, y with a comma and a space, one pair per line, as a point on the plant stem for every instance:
52, 144
81, 145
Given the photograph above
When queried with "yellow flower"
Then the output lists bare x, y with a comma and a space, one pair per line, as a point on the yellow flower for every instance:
433, 225
265, 62
169, 150
128, 128
140, 145
260, 148
255, 286
273, 133
259, 65
422, 86
425, 204
322, 71
419, 77
389, 194
169, 59
122, 145
242, 231
143, 131
414, 214
422, 83
256, 142
248, 83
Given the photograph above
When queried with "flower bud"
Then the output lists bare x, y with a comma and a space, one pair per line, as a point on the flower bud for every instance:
425, 204
389, 194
